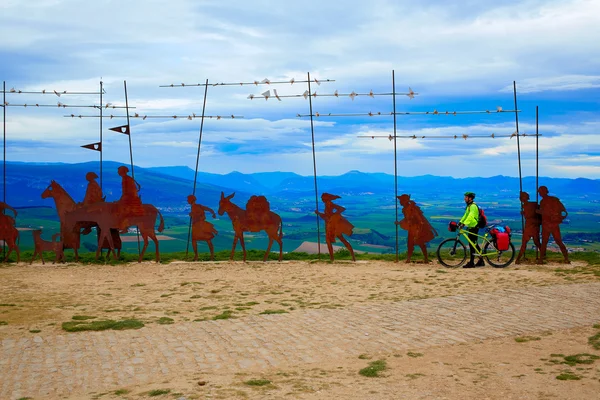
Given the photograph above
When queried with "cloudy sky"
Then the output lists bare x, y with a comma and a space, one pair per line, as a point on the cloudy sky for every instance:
458, 56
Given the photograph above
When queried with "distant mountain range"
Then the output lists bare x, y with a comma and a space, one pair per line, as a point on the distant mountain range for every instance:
168, 187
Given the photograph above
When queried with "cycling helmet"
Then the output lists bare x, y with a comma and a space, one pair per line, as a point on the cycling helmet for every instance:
470, 194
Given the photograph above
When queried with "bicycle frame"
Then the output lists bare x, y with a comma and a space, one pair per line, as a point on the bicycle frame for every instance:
465, 234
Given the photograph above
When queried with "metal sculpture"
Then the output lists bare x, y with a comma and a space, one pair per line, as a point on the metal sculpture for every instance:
255, 218
335, 225
201, 229
106, 216
553, 213
41, 245
64, 203
8, 231
529, 211
416, 224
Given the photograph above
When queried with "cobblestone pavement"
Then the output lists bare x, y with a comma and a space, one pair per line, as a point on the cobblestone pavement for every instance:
41, 366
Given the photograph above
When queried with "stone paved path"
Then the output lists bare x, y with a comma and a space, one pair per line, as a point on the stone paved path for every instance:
42, 366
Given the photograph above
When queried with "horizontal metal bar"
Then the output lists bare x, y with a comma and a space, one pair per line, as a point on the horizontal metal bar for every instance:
189, 117
435, 112
56, 93
60, 105
256, 83
492, 136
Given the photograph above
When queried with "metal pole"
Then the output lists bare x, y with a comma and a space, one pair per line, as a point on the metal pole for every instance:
187, 247
518, 150
4, 156
395, 159
4, 145
101, 149
537, 174
312, 131
131, 154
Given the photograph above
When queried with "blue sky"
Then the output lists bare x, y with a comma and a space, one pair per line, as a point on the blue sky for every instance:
456, 55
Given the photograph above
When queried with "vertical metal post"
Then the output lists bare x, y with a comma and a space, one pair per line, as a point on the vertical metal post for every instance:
131, 154
4, 142
312, 131
395, 159
4, 154
101, 147
187, 247
518, 150
537, 173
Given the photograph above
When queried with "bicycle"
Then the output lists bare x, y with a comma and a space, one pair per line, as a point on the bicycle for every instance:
452, 253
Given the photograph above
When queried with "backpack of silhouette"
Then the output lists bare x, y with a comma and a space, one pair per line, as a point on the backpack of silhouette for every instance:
482, 221
257, 208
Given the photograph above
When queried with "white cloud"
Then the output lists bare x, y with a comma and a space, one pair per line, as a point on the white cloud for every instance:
555, 83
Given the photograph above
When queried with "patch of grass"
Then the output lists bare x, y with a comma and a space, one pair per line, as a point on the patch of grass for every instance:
364, 357
248, 304
77, 326
258, 382
524, 339
121, 392
224, 315
34, 331
196, 296
138, 285
274, 312
414, 376
414, 355
7, 305
25, 398
81, 317
159, 392
594, 341
581, 358
3, 323
374, 368
165, 321
208, 308
568, 376
441, 271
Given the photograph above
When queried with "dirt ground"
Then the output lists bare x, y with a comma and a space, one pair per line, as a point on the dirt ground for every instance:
39, 298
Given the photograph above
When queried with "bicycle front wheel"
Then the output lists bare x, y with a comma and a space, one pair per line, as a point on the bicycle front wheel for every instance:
500, 259
452, 253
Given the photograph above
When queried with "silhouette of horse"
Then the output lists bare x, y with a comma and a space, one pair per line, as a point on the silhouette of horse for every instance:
10, 235
64, 203
272, 225
106, 216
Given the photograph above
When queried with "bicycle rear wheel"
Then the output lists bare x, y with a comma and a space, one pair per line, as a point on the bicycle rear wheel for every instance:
502, 258
451, 253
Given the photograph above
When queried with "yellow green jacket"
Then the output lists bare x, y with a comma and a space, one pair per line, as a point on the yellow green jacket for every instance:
471, 216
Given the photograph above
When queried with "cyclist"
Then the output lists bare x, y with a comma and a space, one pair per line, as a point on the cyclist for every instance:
469, 221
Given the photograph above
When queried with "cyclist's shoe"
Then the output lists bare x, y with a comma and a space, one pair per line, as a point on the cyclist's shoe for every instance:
480, 263
469, 265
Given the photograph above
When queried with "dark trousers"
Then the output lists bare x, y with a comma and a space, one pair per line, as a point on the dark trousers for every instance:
473, 238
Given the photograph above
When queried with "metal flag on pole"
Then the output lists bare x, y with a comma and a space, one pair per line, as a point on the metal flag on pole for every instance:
93, 146
121, 129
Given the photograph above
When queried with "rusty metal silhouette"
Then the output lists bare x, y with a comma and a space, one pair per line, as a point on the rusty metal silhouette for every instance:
335, 225
130, 203
529, 211
93, 195
553, 212
8, 231
201, 229
104, 215
416, 224
257, 217
64, 203
41, 245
